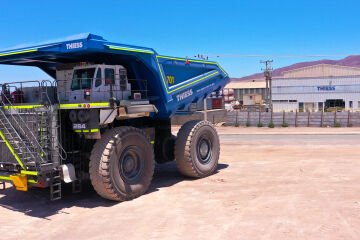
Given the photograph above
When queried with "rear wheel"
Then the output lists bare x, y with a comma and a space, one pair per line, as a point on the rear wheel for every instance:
197, 149
122, 164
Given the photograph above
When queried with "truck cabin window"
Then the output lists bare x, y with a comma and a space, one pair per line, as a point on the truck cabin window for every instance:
82, 79
98, 80
109, 76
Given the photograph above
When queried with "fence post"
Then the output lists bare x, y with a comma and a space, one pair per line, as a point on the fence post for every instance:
322, 119
308, 124
248, 119
283, 117
296, 113
335, 117
259, 117
348, 120
237, 118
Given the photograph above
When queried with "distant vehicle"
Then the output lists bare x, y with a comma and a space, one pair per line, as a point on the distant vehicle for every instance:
334, 105
106, 116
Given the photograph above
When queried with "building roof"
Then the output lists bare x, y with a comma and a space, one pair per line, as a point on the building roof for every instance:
321, 70
246, 84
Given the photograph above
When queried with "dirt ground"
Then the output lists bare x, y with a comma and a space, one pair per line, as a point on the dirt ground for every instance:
271, 184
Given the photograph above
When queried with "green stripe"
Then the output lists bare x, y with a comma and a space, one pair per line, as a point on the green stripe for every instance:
29, 173
193, 60
95, 130
81, 105
17, 52
23, 107
5, 178
191, 83
130, 49
184, 59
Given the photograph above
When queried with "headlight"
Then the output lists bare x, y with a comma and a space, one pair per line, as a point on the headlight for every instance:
83, 115
73, 116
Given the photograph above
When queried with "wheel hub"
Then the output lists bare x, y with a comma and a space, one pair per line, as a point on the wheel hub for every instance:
130, 163
204, 150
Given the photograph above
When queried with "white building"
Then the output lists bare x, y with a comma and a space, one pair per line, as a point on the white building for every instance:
248, 93
317, 88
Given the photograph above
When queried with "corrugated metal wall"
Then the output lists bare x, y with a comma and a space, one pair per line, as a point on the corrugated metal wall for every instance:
303, 119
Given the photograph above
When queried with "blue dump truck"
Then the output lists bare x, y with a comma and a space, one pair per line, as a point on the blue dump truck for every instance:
106, 117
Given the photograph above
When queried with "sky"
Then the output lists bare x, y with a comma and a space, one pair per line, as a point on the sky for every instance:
230, 32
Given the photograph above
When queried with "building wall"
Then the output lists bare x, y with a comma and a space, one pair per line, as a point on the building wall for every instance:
252, 99
243, 92
287, 93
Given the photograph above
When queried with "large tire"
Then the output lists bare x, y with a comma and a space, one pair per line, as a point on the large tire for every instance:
122, 164
197, 149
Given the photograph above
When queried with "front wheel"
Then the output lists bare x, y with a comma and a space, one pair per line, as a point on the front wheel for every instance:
122, 164
197, 149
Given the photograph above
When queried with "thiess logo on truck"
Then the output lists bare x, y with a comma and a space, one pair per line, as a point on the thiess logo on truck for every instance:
74, 45
184, 95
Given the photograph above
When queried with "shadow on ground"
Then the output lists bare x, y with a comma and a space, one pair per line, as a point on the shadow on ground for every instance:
36, 202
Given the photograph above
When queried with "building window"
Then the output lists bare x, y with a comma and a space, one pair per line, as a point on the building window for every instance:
351, 104
301, 106
293, 101
280, 101
321, 106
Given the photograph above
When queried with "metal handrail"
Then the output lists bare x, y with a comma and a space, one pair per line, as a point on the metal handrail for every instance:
44, 85
18, 136
34, 140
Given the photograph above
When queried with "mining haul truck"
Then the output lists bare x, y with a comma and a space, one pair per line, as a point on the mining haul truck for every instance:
106, 117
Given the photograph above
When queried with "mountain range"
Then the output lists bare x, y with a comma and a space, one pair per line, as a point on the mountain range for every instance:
350, 61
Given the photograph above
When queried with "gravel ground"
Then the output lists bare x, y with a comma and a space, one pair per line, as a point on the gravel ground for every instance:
271, 184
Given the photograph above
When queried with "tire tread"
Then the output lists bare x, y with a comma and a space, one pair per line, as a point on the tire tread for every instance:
99, 169
183, 144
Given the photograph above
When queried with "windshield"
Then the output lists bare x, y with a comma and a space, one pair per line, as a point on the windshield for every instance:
82, 79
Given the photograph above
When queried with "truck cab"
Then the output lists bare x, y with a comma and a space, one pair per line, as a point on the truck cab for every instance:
92, 83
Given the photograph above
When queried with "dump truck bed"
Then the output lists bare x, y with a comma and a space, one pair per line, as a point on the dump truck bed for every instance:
172, 83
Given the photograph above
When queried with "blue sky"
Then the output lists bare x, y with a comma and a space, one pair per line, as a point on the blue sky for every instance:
228, 29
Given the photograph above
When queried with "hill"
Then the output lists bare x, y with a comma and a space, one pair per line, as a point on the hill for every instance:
350, 61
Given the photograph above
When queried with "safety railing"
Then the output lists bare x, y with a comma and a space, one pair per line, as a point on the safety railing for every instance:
25, 121
17, 125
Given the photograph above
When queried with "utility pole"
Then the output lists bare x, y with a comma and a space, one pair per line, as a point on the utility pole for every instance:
203, 57
205, 110
268, 78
